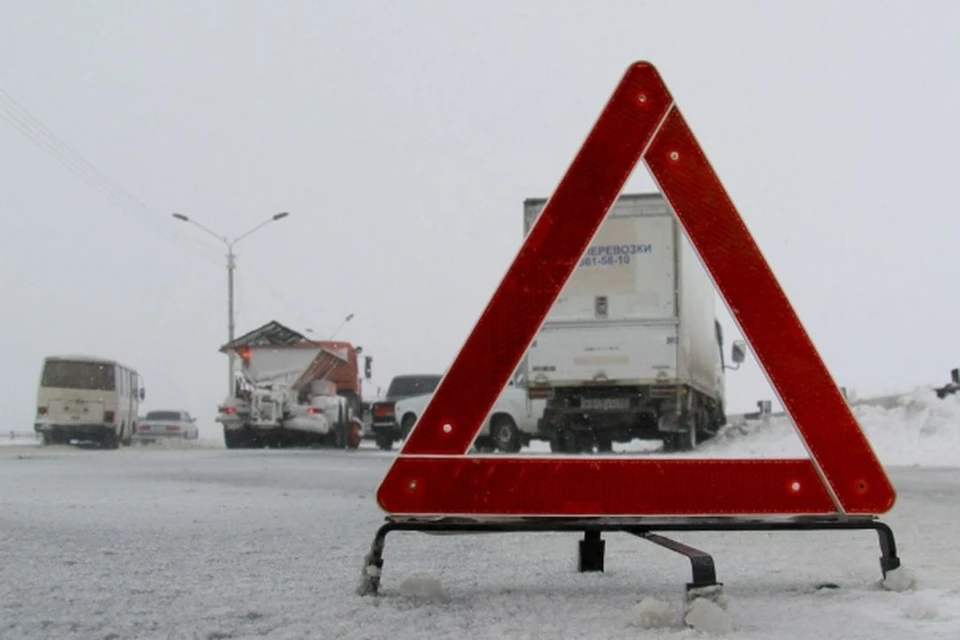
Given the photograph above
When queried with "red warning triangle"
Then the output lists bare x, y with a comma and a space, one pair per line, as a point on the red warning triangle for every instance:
433, 475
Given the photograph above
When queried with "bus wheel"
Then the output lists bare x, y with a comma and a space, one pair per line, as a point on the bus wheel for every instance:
111, 441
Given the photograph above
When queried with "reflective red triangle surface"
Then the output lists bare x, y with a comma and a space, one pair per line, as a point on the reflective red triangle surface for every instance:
432, 475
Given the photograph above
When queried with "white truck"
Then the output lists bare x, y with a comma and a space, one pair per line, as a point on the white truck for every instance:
291, 391
511, 424
631, 349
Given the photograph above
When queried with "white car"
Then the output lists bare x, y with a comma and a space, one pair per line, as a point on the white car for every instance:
510, 425
166, 424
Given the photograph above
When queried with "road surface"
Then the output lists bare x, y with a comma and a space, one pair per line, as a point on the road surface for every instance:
208, 543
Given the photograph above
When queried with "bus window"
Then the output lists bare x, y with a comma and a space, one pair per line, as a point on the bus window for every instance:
67, 374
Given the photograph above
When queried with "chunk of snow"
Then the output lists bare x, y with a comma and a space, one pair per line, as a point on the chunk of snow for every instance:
422, 587
915, 428
923, 606
708, 617
713, 593
900, 579
651, 613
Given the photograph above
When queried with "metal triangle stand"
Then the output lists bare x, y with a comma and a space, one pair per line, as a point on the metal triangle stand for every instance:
591, 552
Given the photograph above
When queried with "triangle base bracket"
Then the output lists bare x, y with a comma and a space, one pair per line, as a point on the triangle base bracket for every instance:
591, 547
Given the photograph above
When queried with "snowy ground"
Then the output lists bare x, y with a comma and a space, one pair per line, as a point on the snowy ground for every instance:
201, 542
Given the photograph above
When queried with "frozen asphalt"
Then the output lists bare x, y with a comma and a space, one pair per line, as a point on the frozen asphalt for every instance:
208, 543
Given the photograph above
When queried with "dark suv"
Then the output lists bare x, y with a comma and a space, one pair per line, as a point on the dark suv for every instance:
383, 419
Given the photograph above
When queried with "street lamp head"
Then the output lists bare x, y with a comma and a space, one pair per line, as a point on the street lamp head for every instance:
281, 215
180, 216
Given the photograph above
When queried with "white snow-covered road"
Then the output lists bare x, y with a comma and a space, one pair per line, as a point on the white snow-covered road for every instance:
209, 543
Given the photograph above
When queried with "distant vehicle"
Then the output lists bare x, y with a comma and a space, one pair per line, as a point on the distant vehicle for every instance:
511, 424
166, 424
386, 428
632, 347
87, 398
292, 391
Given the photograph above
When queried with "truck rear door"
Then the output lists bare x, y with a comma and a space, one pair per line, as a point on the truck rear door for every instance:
616, 317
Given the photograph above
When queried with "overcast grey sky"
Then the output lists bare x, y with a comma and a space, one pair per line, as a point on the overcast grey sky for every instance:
403, 137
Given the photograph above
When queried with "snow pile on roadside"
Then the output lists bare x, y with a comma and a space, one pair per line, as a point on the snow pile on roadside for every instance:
422, 587
651, 613
919, 429
169, 444
6, 441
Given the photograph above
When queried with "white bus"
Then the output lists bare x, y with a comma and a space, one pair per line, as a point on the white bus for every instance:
89, 399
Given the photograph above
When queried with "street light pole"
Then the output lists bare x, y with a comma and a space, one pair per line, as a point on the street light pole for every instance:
231, 266
345, 321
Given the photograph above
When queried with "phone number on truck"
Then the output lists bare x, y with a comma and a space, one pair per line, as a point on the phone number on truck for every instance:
613, 254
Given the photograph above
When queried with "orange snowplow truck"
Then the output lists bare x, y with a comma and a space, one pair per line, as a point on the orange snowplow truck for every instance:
289, 390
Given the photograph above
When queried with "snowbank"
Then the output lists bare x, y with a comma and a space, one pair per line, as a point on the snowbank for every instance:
916, 429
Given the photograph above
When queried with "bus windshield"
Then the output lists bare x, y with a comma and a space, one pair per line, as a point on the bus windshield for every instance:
67, 374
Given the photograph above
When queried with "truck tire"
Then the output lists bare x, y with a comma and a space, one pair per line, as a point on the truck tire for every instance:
111, 441
232, 439
604, 443
384, 442
407, 425
681, 441
556, 443
334, 437
713, 421
569, 441
356, 434
505, 434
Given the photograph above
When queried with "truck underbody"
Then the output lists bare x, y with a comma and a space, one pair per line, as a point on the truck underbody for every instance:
579, 419
343, 436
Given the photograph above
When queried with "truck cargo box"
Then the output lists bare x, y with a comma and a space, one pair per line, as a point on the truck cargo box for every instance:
638, 309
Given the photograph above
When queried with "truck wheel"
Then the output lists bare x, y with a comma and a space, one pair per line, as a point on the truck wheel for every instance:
331, 438
712, 421
562, 441
505, 434
356, 434
556, 443
683, 441
384, 442
604, 443
111, 441
232, 439
582, 442
407, 425
566, 441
